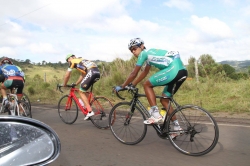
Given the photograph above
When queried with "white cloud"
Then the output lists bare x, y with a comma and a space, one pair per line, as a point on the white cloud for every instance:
211, 28
180, 4
41, 48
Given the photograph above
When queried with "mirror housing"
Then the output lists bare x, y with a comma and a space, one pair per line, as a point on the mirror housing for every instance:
26, 141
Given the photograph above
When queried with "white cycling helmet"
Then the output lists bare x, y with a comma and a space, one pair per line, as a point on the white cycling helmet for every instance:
135, 42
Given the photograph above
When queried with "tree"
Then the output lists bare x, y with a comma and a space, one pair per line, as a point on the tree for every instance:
229, 70
191, 67
27, 61
208, 66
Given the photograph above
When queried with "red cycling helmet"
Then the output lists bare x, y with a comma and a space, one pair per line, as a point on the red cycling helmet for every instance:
6, 61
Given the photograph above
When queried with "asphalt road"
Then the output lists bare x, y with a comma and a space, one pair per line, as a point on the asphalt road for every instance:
84, 145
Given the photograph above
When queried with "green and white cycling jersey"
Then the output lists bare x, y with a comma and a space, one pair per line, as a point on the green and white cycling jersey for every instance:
170, 66
160, 59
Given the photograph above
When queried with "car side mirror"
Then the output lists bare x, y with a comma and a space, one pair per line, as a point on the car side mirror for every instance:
26, 141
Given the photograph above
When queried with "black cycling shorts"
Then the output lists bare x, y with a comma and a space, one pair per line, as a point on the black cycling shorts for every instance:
90, 78
19, 84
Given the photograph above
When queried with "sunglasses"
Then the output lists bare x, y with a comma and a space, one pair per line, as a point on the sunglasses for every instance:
134, 48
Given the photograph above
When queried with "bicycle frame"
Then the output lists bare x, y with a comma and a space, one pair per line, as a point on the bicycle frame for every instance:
14, 103
135, 101
91, 98
73, 95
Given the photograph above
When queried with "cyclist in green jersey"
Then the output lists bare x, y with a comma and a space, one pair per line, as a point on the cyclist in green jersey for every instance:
171, 69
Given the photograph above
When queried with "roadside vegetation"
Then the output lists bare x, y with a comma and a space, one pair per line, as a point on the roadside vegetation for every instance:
216, 87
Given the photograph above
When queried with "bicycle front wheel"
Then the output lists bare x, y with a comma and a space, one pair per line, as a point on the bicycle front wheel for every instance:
198, 133
101, 107
127, 125
67, 109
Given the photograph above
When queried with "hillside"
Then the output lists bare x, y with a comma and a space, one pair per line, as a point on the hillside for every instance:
47, 73
238, 65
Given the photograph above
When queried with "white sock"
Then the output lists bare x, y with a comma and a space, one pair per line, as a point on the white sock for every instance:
176, 123
155, 112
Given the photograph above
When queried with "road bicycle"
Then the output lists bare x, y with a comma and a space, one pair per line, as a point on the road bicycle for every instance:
15, 105
25, 98
69, 104
198, 133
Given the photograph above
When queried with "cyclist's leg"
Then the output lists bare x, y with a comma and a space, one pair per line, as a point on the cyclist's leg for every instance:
169, 87
2, 79
7, 84
91, 77
19, 84
158, 79
168, 92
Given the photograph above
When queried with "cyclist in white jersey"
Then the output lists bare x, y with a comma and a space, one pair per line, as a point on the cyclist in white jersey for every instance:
171, 69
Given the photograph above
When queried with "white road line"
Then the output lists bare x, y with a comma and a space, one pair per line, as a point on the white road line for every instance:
231, 125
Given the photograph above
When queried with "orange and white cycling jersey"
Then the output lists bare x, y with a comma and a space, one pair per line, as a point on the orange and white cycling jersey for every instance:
83, 65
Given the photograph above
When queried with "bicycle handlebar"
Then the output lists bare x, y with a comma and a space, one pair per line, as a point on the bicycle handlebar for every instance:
58, 87
129, 88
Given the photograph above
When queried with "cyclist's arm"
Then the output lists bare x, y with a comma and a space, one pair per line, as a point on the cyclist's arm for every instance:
132, 76
143, 74
80, 79
66, 78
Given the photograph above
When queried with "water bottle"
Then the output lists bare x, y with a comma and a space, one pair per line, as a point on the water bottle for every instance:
81, 102
163, 112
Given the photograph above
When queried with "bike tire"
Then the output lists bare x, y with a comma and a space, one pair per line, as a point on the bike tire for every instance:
67, 109
127, 129
26, 109
101, 107
25, 98
199, 134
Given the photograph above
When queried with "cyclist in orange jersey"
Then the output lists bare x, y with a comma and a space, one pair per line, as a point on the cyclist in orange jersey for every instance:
89, 75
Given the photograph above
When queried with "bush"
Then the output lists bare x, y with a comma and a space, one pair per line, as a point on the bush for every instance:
45, 85
31, 90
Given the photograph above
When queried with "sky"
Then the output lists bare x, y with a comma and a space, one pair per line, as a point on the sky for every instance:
48, 30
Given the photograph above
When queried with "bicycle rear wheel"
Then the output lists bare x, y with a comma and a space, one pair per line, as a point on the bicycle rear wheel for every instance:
25, 98
199, 131
101, 107
127, 126
26, 109
67, 109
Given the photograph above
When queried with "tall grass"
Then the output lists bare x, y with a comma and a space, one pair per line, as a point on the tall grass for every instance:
218, 94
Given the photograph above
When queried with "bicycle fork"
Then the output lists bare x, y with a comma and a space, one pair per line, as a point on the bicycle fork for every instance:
130, 114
